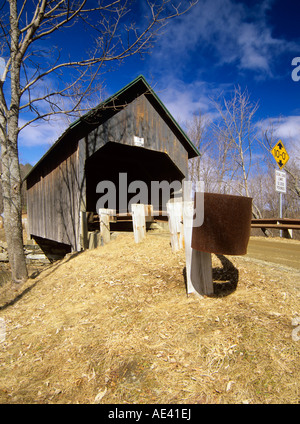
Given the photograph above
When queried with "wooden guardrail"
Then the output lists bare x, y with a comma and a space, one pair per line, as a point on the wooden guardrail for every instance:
276, 223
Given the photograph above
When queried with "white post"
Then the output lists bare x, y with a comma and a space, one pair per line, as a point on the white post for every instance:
104, 216
174, 210
138, 221
188, 210
198, 264
201, 272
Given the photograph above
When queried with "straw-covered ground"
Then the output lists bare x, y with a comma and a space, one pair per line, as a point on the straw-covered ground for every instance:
114, 325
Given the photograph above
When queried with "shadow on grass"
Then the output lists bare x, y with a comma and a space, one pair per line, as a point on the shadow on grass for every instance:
17, 297
18, 291
225, 278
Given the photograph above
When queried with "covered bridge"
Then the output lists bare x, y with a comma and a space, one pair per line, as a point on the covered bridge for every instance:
131, 132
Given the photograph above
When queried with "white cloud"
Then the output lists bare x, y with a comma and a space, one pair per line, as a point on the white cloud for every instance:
43, 133
182, 100
231, 32
289, 127
286, 128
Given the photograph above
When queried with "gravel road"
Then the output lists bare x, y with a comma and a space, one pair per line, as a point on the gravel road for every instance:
279, 251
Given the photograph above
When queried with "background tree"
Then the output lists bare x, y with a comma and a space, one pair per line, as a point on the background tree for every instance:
291, 205
200, 168
236, 156
227, 164
228, 141
213, 164
237, 134
29, 34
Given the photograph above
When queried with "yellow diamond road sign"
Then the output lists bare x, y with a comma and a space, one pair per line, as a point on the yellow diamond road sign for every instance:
280, 154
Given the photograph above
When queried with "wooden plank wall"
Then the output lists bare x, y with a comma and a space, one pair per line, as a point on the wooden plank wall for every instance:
139, 118
53, 199
56, 190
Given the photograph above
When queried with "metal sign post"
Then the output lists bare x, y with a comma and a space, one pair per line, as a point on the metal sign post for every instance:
280, 186
281, 156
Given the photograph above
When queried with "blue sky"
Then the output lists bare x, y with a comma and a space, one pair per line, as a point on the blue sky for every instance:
209, 50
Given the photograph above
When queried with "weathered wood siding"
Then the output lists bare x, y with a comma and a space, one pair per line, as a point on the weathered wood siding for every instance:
56, 188
139, 118
53, 198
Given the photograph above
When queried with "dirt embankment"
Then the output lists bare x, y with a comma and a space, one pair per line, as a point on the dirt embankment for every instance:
114, 325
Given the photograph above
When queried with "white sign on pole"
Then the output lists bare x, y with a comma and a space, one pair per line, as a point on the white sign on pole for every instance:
280, 181
138, 141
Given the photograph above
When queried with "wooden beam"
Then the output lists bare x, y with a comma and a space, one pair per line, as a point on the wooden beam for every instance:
83, 231
149, 214
278, 226
92, 239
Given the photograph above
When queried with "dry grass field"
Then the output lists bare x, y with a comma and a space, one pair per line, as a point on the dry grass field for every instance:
114, 325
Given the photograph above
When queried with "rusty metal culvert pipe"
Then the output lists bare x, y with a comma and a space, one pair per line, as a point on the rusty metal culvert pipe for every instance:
227, 224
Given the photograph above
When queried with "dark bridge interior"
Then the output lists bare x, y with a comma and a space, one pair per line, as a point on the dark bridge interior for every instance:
139, 164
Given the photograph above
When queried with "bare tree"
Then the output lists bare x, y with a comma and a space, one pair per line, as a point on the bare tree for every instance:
212, 165
227, 161
236, 157
198, 131
27, 29
237, 133
226, 143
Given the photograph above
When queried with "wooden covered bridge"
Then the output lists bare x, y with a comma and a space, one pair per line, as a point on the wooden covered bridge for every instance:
131, 132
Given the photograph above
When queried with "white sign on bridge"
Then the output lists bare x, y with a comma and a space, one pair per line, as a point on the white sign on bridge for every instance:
280, 181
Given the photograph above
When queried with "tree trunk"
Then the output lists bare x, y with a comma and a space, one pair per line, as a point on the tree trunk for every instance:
11, 176
11, 186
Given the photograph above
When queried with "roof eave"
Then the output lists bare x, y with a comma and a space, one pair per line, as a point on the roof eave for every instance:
192, 150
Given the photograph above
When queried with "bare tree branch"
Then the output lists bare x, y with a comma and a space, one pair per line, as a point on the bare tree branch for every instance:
26, 27
237, 130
